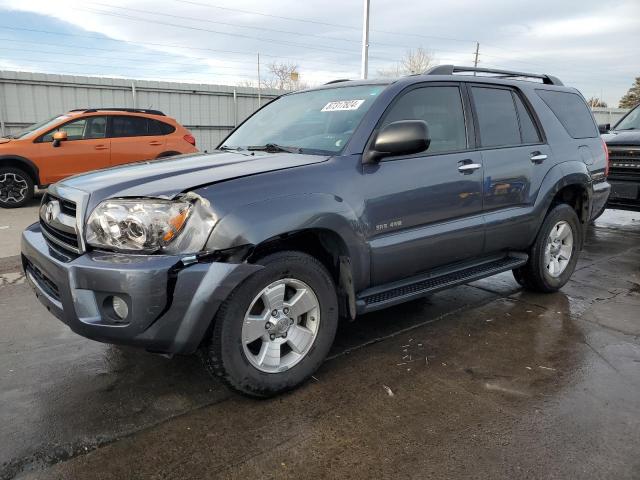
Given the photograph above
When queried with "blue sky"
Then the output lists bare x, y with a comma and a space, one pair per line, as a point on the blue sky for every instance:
592, 45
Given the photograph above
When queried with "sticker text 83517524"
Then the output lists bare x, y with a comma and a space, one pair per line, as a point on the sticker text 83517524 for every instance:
342, 105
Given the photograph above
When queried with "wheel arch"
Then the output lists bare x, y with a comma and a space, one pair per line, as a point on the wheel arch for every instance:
168, 153
22, 163
318, 224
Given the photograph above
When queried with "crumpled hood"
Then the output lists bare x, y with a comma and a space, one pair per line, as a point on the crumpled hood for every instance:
170, 176
630, 137
4, 140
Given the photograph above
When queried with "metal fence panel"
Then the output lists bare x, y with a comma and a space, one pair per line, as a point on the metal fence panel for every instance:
609, 115
209, 111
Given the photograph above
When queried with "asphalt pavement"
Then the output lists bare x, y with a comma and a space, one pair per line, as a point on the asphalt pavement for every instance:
481, 381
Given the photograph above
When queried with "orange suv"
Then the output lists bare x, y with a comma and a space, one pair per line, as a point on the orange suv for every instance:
83, 140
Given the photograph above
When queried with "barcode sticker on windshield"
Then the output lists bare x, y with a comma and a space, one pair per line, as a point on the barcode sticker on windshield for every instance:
342, 105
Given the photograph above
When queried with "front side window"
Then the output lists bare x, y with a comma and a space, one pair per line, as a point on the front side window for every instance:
441, 108
81, 129
631, 121
316, 121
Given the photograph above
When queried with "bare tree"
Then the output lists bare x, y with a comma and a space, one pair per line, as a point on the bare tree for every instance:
284, 76
413, 61
247, 83
596, 102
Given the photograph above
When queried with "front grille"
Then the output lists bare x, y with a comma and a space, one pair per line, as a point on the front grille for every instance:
58, 237
624, 163
43, 281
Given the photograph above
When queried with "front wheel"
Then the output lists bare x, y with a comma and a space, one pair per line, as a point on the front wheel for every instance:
276, 328
16, 187
554, 254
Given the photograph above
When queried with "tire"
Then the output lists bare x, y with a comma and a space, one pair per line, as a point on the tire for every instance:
537, 274
231, 355
16, 187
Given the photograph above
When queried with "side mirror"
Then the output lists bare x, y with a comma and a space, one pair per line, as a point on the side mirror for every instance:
59, 137
604, 127
403, 137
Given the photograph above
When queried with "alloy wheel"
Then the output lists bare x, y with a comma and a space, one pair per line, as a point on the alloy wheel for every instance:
558, 249
281, 325
13, 187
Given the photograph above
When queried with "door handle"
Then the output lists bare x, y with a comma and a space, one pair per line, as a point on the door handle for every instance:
101, 147
469, 168
155, 143
537, 157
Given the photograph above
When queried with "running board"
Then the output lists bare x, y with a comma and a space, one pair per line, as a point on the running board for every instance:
384, 296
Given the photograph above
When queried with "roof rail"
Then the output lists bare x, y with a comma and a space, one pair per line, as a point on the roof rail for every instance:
451, 69
115, 109
338, 81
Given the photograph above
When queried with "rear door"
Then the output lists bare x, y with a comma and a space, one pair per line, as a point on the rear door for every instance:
85, 149
425, 210
134, 138
515, 161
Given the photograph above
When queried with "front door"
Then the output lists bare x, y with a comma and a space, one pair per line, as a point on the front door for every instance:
85, 149
424, 211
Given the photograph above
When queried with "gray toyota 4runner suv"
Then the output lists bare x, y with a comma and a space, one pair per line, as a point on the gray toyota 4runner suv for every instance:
326, 203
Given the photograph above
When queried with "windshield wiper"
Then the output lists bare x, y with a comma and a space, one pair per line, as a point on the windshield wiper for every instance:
273, 148
625, 129
224, 148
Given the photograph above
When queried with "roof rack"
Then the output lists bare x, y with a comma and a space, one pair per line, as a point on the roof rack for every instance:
451, 69
115, 109
338, 81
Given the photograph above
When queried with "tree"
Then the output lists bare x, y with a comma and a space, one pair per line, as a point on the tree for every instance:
632, 97
413, 61
596, 102
284, 76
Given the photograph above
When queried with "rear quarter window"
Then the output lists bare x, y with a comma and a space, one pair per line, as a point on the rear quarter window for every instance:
572, 112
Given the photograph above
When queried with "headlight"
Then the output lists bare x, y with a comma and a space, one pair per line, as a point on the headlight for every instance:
138, 225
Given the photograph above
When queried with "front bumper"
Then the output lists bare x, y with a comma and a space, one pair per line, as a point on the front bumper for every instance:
170, 305
625, 194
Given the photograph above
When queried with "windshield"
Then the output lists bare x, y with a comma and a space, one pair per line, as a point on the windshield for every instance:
316, 121
40, 126
631, 121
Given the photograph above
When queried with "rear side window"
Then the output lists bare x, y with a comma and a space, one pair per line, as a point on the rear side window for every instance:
129, 126
497, 117
157, 127
528, 128
572, 111
441, 108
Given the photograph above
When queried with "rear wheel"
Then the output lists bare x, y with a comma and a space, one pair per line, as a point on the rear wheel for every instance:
554, 254
276, 328
16, 187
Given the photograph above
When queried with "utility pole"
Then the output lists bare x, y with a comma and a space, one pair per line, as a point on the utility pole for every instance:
364, 72
475, 61
259, 83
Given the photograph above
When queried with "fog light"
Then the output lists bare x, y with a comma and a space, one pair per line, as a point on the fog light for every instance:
120, 307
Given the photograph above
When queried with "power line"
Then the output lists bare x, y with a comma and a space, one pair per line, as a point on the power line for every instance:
217, 32
317, 22
253, 27
155, 44
120, 58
